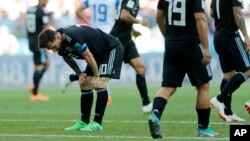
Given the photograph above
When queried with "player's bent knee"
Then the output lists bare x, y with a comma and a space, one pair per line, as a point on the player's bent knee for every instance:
86, 86
247, 73
103, 82
141, 69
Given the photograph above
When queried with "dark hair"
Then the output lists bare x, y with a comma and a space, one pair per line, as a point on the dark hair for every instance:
45, 37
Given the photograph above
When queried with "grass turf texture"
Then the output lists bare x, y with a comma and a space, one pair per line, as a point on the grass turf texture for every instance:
24, 120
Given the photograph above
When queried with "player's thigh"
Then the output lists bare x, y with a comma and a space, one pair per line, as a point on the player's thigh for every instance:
138, 65
173, 73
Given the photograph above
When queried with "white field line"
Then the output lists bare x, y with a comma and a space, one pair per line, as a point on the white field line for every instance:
118, 121
105, 137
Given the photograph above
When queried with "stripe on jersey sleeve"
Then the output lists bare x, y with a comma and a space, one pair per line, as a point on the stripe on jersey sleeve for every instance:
81, 48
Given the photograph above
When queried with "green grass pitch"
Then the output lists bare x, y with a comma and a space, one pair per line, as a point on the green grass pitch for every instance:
24, 120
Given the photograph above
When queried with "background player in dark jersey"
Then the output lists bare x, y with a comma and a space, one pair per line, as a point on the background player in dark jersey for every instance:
37, 20
184, 25
232, 51
103, 54
122, 29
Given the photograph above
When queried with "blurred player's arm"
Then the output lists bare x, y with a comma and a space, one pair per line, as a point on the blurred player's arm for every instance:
135, 33
128, 18
240, 22
79, 14
88, 57
160, 19
202, 27
72, 63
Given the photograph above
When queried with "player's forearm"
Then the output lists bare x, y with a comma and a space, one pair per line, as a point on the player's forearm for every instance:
128, 18
202, 28
240, 21
72, 63
88, 57
92, 63
80, 15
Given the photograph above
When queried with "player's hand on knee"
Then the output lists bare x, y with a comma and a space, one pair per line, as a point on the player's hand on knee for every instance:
94, 81
83, 78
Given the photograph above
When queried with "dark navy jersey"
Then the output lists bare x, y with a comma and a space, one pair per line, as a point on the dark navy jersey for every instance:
77, 38
122, 28
223, 15
36, 19
179, 17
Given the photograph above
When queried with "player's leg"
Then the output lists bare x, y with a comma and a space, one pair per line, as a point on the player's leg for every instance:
203, 111
159, 104
199, 75
172, 78
228, 100
110, 68
41, 65
69, 78
133, 58
140, 69
100, 107
86, 102
240, 62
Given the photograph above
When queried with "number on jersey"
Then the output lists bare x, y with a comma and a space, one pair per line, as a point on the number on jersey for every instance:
172, 8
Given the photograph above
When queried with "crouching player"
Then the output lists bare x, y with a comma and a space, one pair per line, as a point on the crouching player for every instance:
103, 54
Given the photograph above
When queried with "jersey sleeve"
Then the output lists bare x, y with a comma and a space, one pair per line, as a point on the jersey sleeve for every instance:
85, 3
237, 3
160, 5
199, 6
77, 41
80, 47
129, 4
117, 3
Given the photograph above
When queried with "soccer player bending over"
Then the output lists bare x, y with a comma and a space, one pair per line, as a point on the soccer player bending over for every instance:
103, 54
